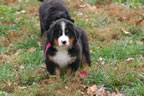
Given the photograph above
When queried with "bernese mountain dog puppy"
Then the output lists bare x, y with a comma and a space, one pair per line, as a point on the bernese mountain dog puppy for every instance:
66, 47
52, 10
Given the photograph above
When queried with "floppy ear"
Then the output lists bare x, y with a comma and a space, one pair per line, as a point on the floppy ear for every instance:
71, 19
76, 32
49, 34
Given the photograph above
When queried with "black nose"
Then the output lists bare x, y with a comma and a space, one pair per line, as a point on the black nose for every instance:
64, 42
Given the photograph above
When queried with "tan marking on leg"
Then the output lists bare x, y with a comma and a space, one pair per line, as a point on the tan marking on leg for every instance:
84, 63
74, 58
50, 58
57, 72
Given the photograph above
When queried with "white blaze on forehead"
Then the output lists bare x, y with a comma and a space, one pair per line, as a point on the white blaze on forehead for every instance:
63, 37
63, 25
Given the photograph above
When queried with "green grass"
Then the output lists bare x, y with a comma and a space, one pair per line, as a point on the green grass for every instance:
129, 3
112, 71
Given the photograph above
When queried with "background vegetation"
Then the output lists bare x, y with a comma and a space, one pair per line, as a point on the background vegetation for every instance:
116, 35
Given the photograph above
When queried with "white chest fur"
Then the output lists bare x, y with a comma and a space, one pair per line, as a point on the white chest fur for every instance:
62, 58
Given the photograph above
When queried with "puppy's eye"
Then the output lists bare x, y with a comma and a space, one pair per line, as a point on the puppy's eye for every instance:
60, 31
67, 30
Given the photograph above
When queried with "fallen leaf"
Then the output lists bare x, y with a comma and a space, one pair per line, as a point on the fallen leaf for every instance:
99, 7
129, 60
125, 32
91, 8
117, 91
31, 50
43, 83
1, 57
19, 51
142, 69
99, 47
91, 90
83, 74
113, 12
9, 54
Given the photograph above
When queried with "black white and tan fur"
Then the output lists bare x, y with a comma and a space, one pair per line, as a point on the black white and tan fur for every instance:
50, 11
69, 46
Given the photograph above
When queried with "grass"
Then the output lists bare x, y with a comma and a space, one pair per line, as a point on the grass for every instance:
22, 72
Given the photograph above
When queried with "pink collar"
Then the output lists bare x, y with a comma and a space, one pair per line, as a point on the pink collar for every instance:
47, 47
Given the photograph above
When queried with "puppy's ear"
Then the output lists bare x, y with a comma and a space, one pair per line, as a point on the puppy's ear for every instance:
71, 19
49, 34
76, 32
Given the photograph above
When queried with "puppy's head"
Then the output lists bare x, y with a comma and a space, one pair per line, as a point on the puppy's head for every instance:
56, 15
62, 33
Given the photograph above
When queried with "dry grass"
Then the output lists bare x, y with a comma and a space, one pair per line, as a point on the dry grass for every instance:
21, 70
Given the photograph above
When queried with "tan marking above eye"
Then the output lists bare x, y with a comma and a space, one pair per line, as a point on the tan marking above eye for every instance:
60, 31
67, 30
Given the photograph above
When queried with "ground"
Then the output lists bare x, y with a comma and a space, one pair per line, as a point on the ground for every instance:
116, 35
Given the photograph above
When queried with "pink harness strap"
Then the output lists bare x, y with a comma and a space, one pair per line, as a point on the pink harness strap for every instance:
48, 46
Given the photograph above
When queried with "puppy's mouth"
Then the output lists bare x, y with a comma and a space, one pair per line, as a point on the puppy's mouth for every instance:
64, 46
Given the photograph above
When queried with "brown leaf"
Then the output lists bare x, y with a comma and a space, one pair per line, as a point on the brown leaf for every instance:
31, 50
91, 8
113, 12
91, 90
19, 51
129, 60
142, 69
9, 54
125, 32
5, 42
1, 57
117, 91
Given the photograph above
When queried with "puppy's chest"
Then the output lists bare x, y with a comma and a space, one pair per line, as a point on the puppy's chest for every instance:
62, 58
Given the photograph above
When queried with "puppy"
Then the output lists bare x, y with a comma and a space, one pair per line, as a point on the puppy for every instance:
66, 46
52, 10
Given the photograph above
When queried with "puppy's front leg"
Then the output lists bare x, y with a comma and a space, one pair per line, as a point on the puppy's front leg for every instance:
74, 66
52, 68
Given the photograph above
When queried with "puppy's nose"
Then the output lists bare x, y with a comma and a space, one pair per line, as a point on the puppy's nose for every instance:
64, 42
